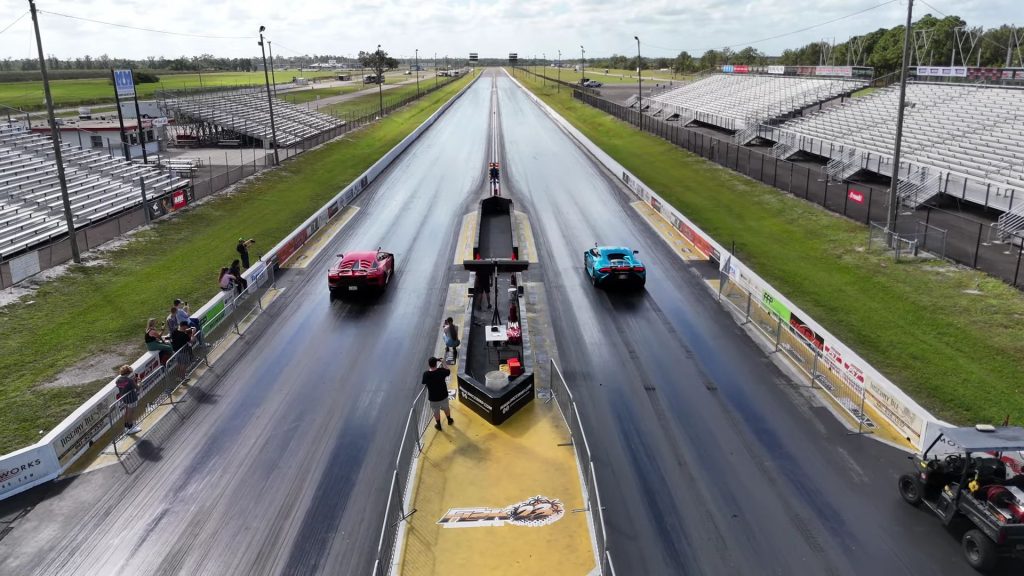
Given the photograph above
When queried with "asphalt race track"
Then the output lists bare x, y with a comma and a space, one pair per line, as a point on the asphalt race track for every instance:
709, 460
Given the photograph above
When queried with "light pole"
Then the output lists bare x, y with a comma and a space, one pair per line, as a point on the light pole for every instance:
558, 86
417, 71
55, 137
270, 101
435, 69
639, 85
583, 64
273, 80
380, 81
544, 78
890, 219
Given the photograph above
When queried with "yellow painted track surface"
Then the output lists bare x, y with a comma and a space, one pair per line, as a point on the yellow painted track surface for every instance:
475, 465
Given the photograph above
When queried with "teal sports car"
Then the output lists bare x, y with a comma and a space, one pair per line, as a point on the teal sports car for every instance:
608, 265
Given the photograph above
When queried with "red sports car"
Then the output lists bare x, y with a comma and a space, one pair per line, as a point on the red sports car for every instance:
358, 272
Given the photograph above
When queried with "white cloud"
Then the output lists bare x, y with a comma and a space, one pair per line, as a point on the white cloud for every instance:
456, 27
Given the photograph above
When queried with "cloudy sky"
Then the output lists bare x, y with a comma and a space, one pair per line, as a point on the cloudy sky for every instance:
457, 27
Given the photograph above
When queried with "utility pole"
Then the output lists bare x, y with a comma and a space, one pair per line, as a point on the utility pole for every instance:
435, 69
417, 71
380, 81
890, 221
583, 64
55, 136
273, 80
639, 85
270, 101
558, 86
544, 78
125, 148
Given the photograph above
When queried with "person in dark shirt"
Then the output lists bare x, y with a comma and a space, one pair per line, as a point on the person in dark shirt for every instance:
182, 335
243, 250
437, 390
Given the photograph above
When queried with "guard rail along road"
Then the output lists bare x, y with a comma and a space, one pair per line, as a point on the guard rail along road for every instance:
92, 422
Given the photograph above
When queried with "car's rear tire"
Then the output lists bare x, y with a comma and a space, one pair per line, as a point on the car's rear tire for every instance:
979, 550
911, 489
333, 294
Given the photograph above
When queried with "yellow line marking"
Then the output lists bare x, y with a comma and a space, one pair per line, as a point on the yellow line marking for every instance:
527, 245
311, 249
467, 235
683, 247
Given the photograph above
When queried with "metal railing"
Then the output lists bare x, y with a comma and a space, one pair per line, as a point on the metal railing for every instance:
578, 439
161, 387
398, 510
802, 346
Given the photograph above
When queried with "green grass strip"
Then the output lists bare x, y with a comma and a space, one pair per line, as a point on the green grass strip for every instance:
94, 309
951, 337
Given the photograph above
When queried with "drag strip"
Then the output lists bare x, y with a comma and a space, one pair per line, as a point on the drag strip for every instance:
709, 460
284, 469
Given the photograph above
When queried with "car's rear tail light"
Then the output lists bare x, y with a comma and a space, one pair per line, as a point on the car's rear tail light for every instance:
638, 268
605, 270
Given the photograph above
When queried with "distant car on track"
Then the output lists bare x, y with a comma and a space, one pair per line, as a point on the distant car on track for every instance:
358, 272
592, 84
608, 265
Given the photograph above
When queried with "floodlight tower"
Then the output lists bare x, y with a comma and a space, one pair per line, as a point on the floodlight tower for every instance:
270, 101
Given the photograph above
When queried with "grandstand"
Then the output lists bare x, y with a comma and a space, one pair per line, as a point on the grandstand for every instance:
246, 113
736, 102
31, 209
965, 140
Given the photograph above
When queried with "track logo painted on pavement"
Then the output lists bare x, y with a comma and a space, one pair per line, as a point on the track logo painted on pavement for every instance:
536, 511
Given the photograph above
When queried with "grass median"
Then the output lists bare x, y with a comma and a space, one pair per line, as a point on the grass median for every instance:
101, 309
370, 103
949, 336
29, 95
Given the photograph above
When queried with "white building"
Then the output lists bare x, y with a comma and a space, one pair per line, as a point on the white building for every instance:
105, 134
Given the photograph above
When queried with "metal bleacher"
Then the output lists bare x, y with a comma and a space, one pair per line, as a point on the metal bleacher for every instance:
970, 133
31, 209
246, 112
733, 102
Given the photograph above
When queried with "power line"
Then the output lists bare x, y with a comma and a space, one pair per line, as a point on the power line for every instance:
169, 33
18, 19
784, 34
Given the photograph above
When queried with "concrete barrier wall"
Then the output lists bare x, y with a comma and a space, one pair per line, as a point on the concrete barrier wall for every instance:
69, 440
887, 399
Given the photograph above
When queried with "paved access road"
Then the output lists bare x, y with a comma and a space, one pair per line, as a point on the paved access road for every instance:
709, 460
285, 468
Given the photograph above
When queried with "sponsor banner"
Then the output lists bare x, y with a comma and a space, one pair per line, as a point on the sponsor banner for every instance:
70, 439
211, 314
24, 266
296, 242
856, 196
944, 71
833, 71
804, 70
698, 241
169, 203
124, 84
740, 69
776, 306
728, 68
25, 468
776, 69
332, 209
256, 275
812, 338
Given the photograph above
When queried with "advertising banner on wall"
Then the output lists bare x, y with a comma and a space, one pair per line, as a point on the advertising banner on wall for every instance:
776, 69
833, 71
944, 71
26, 468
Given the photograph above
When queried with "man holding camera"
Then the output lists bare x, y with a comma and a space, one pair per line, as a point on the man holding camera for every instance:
243, 250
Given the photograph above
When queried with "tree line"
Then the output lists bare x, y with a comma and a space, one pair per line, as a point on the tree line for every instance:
947, 41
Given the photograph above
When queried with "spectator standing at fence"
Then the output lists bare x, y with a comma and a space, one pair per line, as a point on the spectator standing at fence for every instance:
243, 250
236, 272
226, 280
185, 315
435, 379
450, 332
128, 394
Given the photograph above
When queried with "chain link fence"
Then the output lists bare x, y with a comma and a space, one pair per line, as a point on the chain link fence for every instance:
578, 439
951, 234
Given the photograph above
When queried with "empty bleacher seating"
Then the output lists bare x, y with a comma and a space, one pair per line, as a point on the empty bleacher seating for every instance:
247, 112
972, 130
732, 101
31, 208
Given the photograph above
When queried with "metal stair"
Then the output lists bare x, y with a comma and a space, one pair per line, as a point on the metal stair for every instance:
1011, 221
846, 164
748, 133
918, 187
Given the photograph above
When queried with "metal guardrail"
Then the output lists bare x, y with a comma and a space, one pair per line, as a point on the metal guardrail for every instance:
398, 510
160, 387
578, 439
